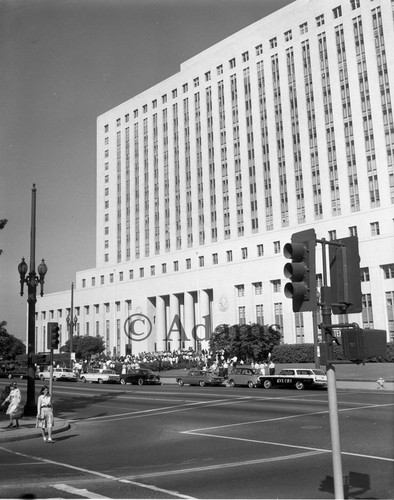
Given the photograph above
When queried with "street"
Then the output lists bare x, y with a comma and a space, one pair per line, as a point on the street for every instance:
211, 442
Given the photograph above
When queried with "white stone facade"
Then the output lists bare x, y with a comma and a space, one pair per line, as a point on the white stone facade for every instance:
202, 179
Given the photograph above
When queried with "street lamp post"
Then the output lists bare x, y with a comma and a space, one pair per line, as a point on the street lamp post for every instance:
71, 323
32, 281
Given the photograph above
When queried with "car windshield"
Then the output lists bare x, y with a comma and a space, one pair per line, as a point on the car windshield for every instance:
318, 372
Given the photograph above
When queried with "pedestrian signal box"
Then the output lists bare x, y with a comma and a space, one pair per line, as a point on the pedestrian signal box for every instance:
360, 344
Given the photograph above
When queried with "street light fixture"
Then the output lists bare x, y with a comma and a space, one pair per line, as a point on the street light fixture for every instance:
32, 281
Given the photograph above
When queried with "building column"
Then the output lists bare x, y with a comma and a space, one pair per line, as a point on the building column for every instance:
204, 321
174, 323
160, 324
189, 320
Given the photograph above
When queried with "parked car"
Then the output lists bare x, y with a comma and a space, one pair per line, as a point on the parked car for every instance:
201, 378
139, 377
100, 375
300, 378
244, 376
58, 374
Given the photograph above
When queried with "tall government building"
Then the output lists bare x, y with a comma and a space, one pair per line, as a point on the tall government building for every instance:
202, 179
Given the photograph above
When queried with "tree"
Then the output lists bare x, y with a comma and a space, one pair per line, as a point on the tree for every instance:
248, 342
10, 346
85, 347
3, 222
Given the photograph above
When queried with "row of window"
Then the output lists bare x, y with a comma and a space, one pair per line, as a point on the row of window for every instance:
273, 43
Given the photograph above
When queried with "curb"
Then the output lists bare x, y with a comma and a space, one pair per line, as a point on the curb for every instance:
29, 430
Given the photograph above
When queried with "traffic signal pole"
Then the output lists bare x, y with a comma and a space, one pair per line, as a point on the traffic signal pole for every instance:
331, 382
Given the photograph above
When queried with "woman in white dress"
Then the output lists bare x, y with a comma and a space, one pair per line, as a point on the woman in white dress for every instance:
45, 414
14, 398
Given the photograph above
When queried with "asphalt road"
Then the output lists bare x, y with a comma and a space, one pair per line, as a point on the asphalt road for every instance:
192, 442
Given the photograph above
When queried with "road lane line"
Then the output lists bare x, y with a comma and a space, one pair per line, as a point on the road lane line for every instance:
78, 491
98, 474
205, 468
287, 445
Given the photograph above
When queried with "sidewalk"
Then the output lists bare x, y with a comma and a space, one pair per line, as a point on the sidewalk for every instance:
27, 429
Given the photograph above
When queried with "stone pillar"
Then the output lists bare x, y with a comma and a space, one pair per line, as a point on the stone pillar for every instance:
190, 320
160, 323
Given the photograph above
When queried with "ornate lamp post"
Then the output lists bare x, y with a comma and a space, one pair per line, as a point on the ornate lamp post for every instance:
71, 323
32, 281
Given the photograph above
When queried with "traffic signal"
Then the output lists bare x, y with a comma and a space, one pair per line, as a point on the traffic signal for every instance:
301, 271
345, 276
53, 335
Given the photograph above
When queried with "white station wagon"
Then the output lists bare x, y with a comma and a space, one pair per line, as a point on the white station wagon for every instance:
100, 375
58, 374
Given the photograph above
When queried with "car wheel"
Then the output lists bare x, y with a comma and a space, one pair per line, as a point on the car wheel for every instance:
250, 384
140, 381
123, 381
231, 383
299, 385
100, 380
202, 383
267, 384
180, 382
83, 380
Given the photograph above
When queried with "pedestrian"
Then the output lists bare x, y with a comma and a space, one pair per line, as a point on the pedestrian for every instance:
271, 367
14, 409
45, 414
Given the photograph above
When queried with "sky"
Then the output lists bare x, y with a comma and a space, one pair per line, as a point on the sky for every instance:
63, 63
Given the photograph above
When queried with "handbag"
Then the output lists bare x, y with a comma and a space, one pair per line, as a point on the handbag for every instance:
17, 414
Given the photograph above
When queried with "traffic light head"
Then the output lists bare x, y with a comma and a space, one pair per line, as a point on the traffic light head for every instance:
301, 270
53, 335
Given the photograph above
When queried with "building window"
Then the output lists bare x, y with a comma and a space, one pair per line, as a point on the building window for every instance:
276, 286
241, 315
273, 43
364, 274
288, 36
164, 268
118, 122
135, 113
244, 253
145, 108
93, 281
258, 288
207, 76
106, 128
240, 290
83, 283
245, 57
164, 98
229, 254
174, 93
201, 261
337, 12
353, 231
152, 270
188, 263
131, 274
260, 250
219, 70
176, 265
388, 271
111, 278
196, 82
332, 235
367, 313
259, 49
259, 314
142, 272
127, 118
232, 63
154, 103
276, 246
375, 231
355, 4
107, 307
303, 28
320, 20
215, 259
185, 87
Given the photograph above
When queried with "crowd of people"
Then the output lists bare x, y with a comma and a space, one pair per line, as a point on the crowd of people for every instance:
167, 360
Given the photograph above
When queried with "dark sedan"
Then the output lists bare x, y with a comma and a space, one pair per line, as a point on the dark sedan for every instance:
139, 377
201, 378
